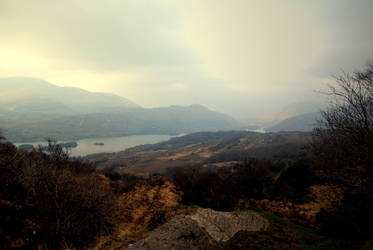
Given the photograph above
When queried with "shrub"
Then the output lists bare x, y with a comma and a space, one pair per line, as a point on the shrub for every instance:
53, 201
343, 153
293, 183
222, 188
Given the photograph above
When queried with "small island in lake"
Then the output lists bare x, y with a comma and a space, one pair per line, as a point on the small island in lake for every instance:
25, 147
72, 144
99, 143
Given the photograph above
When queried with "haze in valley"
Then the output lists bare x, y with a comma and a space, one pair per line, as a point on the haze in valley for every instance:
248, 59
186, 124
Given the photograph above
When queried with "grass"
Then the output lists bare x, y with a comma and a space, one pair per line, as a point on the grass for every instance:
273, 219
281, 234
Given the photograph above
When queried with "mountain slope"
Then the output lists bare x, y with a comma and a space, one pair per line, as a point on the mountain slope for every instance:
207, 149
34, 99
32, 110
299, 108
169, 120
304, 122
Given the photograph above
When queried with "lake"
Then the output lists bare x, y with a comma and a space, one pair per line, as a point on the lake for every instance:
110, 144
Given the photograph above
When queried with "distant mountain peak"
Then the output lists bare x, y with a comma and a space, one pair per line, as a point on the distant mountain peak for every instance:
27, 93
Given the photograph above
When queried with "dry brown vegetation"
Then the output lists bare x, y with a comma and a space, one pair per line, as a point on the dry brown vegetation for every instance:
145, 206
343, 154
52, 202
321, 197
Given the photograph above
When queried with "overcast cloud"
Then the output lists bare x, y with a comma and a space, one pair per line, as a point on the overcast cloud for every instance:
242, 57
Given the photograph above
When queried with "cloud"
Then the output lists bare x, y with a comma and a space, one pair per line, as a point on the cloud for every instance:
255, 43
348, 36
117, 35
243, 57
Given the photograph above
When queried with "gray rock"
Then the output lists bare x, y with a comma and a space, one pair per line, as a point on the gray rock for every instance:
181, 232
200, 230
222, 226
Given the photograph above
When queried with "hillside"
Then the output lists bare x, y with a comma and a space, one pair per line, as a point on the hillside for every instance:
34, 99
275, 200
304, 122
299, 108
92, 209
210, 149
33, 110
170, 120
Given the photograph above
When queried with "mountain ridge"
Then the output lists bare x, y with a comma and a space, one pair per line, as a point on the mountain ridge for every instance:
67, 113
302, 122
20, 94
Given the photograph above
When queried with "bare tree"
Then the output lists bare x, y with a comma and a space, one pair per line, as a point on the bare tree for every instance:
343, 154
345, 132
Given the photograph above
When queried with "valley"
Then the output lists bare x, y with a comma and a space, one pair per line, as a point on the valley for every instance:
33, 110
186, 125
99, 145
207, 149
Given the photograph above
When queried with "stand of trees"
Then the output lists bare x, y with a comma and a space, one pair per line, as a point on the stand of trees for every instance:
343, 153
224, 188
345, 133
48, 201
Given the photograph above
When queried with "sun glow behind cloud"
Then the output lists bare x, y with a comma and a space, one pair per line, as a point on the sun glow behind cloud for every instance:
233, 56
254, 42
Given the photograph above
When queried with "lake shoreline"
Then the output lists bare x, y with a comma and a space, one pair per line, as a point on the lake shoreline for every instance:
107, 144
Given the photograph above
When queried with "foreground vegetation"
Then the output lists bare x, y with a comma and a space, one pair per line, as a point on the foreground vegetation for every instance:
52, 201
319, 200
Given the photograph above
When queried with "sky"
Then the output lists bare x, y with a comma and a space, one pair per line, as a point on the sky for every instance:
246, 58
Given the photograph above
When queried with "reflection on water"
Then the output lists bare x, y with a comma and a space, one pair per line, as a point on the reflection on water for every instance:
110, 144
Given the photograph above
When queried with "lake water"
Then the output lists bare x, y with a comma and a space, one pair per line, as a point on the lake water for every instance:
111, 144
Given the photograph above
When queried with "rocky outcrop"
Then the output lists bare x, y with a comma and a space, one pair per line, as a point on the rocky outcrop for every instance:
181, 232
200, 230
222, 226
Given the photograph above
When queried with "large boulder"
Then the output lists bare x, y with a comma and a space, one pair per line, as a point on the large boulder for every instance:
181, 232
222, 226
200, 230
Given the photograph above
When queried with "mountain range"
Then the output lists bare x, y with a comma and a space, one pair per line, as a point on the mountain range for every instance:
34, 99
33, 110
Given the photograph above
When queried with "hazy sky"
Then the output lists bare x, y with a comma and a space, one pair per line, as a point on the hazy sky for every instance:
241, 57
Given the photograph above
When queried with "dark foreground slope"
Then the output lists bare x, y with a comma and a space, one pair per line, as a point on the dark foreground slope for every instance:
49, 201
